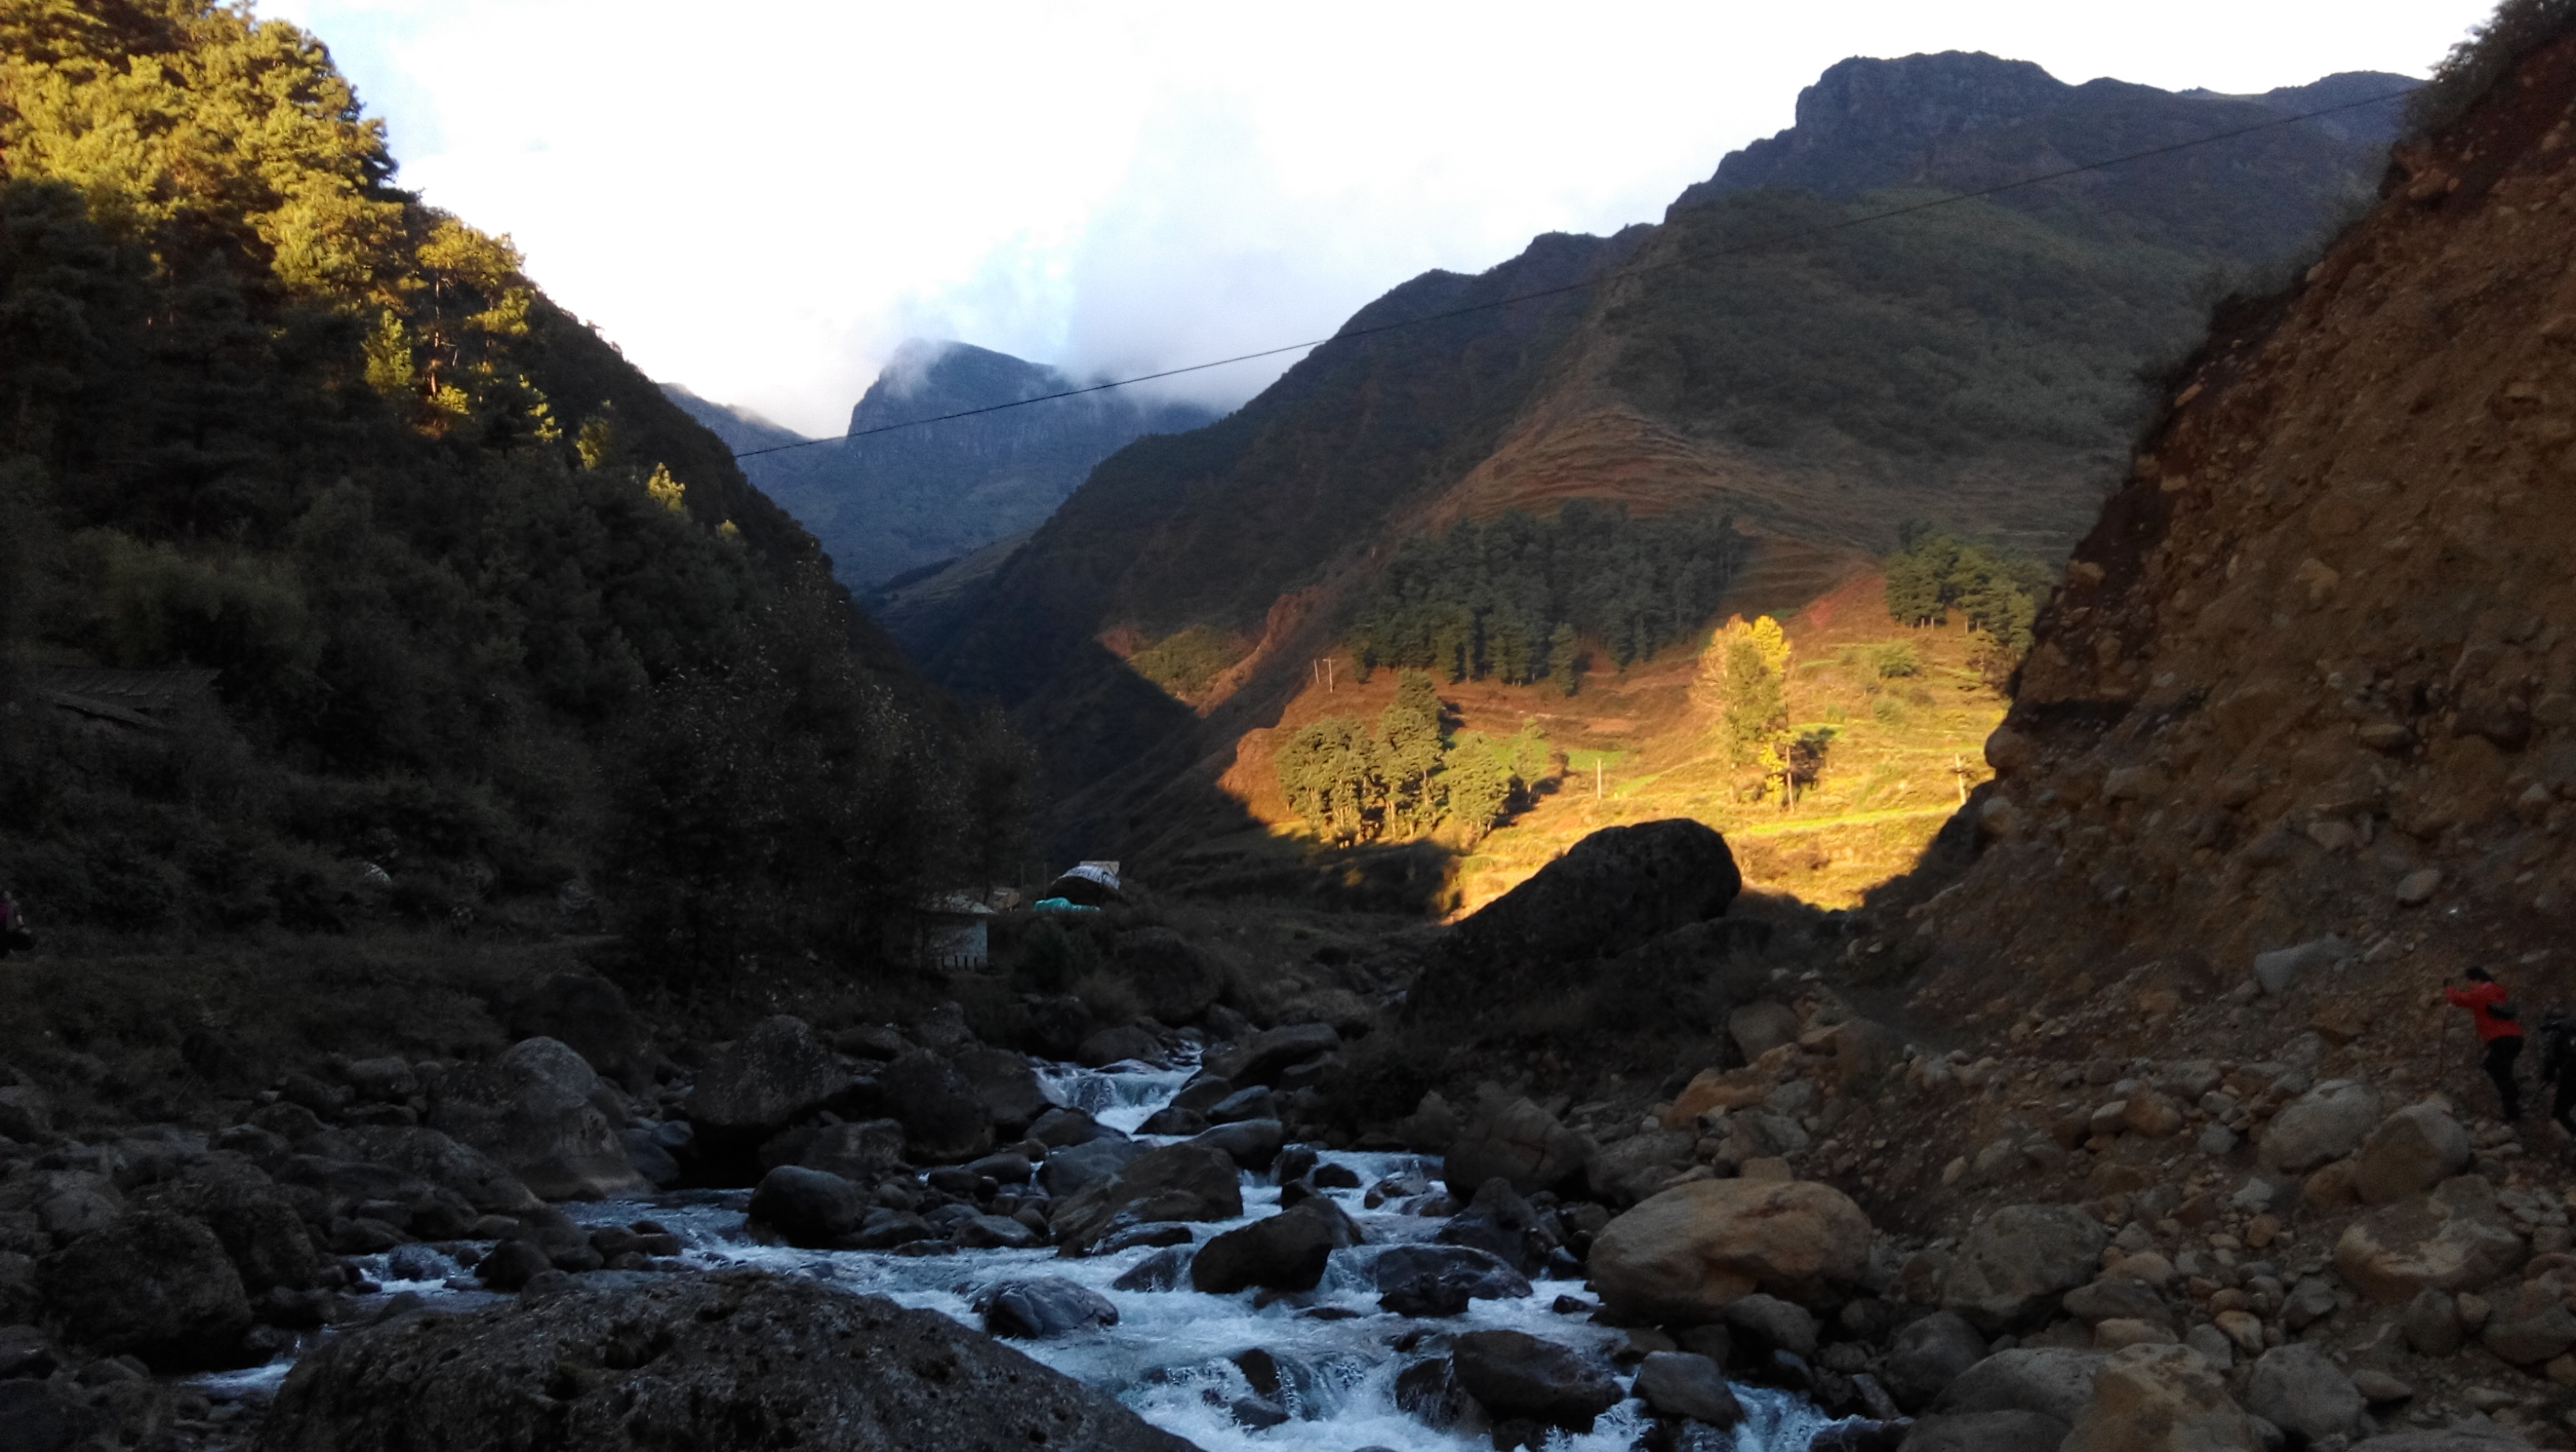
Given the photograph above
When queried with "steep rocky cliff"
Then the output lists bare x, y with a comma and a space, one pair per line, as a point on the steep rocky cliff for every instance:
2314, 671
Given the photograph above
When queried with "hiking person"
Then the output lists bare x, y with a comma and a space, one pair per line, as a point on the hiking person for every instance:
2499, 1029
2558, 1066
14, 937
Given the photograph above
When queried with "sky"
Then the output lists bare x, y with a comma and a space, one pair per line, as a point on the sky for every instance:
762, 199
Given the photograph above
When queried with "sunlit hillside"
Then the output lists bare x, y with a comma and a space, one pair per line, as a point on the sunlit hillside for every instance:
1636, 746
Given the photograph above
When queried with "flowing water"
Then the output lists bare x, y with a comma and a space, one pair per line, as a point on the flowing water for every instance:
1169, 1355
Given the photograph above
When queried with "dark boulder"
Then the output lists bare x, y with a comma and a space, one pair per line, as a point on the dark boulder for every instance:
1286, 1252
511, 1264
812, 1208
1514, 1374
1253, 1103
735, 1359
1062, 1127
1166, 1269
1439, 1280
1267, 1055
1007, 1084
1170, 1120
1515, 1140
944, 1120
434, 1158
1172, 1182
1499, 1222
251, 1214
1174, 983
1680, 1384
1609, 893
759, 1084
153, 1284
1927, 1355
1117, 1046
1204, 1093
537, 1111
1078, 1166
589, 1013
1253, 1143
866, 1150
1034, 1310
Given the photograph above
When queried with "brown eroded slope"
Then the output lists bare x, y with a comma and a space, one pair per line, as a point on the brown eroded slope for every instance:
2315, 670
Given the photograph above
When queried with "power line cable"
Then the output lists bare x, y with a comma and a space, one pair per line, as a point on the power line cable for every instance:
1686, 259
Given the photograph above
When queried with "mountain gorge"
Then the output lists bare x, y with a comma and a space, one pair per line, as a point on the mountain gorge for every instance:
889, 501
1765, 353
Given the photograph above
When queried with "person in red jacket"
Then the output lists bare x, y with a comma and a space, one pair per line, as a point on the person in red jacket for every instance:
2492, 1011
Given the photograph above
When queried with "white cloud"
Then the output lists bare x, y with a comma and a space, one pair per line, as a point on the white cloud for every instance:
762, 200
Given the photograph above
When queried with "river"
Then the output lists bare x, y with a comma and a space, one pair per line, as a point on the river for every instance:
1170, 1354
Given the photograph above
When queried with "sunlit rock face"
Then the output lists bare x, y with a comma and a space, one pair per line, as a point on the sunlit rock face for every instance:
2312, 678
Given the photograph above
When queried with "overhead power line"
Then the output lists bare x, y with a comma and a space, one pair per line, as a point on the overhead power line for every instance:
1686, 259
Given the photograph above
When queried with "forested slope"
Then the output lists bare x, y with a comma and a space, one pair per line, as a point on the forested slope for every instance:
487, 611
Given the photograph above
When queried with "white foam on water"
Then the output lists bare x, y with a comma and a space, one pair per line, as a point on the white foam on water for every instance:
1168, 1355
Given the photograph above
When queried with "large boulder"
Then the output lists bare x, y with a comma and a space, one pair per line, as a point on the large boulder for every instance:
1610, 892
589, 1013
1683, 1384
1035, 1310
806, 1207
735, 1359
1439, 1280
865, 1150
253, 1217
772, 1076
1517, 1375
1624, 1173
1270, 1053
2010, 1270
2160, 1399
1927, 1355
2410, 1152
1687, 1253
2530, 1324
434, 1158
1286, 1252
1174, 982
2299, 1389
1077, 1167
2455, 1239
1251, 1143
1006, 1084
1498, 1221
1172, 1182
537, 1111
2326, 1123
944, 1120
2051, 1381
1515, 1140
153, 1284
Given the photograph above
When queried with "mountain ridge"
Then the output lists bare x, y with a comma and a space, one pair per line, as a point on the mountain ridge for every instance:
887, 503
1974, 364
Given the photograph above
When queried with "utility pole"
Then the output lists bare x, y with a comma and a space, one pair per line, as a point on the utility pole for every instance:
1323, 671
1959, 771
1596, 781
